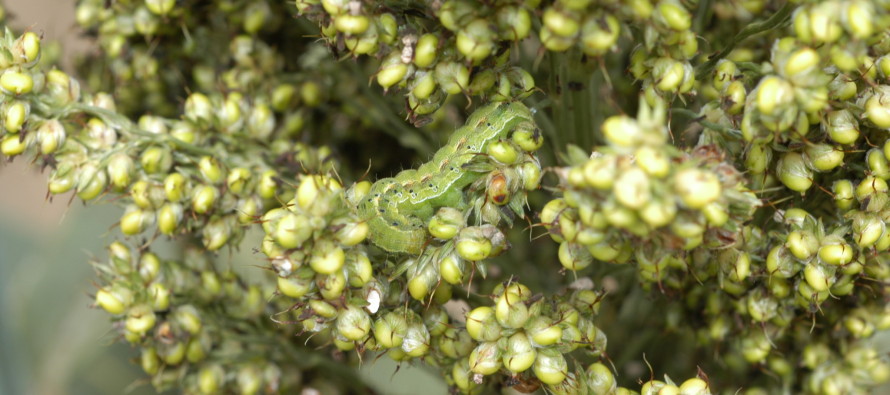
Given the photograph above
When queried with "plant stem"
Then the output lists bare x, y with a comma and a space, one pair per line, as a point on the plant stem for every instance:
702, 15
729, 132
772, 22
126, 126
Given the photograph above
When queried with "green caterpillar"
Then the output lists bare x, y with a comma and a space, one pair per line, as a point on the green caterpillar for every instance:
397, 209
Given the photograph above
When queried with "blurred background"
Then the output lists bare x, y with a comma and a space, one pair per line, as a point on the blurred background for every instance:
51, 341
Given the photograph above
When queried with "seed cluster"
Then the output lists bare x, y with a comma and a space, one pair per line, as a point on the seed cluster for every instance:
638, 187
179, 314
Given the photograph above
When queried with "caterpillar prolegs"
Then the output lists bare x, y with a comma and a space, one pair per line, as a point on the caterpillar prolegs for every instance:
397, 209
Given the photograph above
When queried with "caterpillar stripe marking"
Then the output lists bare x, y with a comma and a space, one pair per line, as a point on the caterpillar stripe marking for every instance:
397, 209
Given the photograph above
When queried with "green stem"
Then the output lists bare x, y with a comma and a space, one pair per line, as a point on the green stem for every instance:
558, 90
585, 104
126, 126
596, 104
751, 68
544, 120
729, 132
773, 22
702, 15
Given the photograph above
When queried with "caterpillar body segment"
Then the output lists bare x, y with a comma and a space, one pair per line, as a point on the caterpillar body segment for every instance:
397, 209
